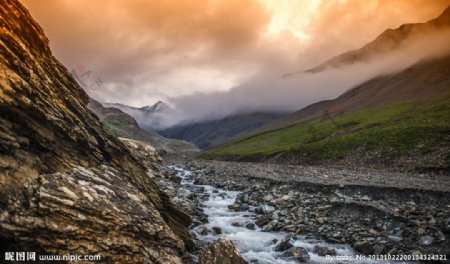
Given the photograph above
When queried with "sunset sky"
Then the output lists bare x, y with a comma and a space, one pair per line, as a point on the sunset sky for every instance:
146, 50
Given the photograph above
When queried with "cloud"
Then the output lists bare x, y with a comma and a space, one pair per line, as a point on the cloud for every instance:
265, 92
214, 52
138, 46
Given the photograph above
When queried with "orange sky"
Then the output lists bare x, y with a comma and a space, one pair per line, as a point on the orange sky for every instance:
152, 49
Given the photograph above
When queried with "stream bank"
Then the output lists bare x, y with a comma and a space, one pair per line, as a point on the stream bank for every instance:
262, 215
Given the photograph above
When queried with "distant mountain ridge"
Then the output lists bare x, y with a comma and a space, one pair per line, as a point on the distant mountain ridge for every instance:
159, 106
151, 116
387, 42
123, 125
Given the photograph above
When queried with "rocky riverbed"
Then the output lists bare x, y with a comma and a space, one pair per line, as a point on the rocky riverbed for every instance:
371, 220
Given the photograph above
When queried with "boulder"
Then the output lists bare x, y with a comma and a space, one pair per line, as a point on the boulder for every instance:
222, 251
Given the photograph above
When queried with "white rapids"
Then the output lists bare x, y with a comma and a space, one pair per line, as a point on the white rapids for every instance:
254, 244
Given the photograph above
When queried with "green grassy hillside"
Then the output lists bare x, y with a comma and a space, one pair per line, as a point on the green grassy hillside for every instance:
397, 131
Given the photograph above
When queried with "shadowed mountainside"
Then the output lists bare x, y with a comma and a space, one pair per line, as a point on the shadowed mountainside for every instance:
206, 134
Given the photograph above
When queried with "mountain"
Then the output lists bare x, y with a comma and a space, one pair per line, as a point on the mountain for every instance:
387, 42
153, 117
420, 82
66, 185
158, 107
399, 120
213, 132
121, 124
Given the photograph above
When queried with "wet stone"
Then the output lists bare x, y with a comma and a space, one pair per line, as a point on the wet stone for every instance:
262, 222
250, 226
244, 207
324, 251
203, 231
216, 230
284, 244
297, 253
364, 247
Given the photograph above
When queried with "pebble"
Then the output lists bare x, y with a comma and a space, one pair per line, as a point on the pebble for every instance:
395, 238
426, 240
421, 231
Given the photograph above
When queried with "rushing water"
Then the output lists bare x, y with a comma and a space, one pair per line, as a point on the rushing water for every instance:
255, 245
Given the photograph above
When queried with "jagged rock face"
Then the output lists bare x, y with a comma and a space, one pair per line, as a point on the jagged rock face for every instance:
92, 212
66, 186
222, 251
144, 152
44, 124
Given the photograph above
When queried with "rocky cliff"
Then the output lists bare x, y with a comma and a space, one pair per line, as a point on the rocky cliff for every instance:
66, 185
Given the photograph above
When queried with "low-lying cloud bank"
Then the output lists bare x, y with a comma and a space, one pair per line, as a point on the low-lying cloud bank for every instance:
268, 91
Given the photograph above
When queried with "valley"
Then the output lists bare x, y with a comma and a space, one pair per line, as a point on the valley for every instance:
405, 136
211, 177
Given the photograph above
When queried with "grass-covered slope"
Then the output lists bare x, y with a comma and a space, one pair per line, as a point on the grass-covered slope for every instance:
406, 134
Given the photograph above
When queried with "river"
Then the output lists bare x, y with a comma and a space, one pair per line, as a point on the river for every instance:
254, 244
